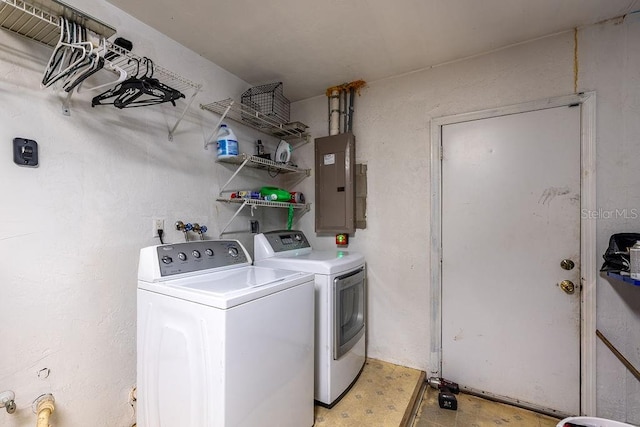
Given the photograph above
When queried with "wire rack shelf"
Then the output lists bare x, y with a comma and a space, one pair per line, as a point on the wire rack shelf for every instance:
248, 116
42, 23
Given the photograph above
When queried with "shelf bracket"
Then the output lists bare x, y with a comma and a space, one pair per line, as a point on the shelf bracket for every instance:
211, 139
66, 104
184, 111
234, 217
230, 109
234, 175
305, 139
299, 217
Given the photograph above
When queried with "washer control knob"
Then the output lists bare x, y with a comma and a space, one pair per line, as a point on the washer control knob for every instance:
209, 252
298, 237
182, 256
167, 259
233, 251
196, 254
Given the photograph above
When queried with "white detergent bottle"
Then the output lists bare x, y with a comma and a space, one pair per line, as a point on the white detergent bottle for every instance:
227, 142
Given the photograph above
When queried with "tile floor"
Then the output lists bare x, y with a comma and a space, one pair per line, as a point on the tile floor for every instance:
476, 412
382, 396
385, 395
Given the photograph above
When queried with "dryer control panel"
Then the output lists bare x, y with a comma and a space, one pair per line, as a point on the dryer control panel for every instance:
286, 240
206, 255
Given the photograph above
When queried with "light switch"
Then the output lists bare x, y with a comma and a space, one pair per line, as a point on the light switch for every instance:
25, 152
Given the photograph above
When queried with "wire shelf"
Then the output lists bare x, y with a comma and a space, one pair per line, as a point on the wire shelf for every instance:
133, 63
244, 114
42, 24
264, 203
255, 203
262, 163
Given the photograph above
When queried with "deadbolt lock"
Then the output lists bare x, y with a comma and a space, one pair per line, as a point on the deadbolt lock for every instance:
568, 287
567, 264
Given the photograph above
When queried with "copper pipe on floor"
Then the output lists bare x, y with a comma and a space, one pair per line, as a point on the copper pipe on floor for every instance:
619, 355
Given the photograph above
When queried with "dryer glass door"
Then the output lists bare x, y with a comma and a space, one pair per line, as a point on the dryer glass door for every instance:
348, 293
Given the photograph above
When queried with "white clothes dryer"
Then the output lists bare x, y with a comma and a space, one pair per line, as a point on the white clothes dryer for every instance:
340, 306
222, 343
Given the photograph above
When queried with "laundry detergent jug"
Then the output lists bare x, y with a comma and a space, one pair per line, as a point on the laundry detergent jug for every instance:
227, 142
274, 194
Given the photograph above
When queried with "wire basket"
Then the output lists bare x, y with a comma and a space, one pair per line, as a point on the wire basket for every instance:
267, 100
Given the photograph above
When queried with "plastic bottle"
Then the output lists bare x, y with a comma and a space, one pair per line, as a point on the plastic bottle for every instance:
275, 194
248, 194
227, 142
634, 261
296, 197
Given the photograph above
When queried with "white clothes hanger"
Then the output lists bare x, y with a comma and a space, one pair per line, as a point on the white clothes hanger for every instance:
75, 51
109, 65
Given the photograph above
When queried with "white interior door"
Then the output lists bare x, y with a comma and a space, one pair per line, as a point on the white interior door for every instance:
510, 216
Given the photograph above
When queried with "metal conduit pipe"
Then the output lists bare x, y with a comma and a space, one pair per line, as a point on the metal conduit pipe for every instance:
334, 111
341, 106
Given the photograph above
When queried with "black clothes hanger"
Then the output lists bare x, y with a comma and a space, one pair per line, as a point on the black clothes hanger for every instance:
98, 65
157, 91
116, 90
139, 91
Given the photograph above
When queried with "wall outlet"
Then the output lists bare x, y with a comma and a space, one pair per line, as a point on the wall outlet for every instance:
157, 224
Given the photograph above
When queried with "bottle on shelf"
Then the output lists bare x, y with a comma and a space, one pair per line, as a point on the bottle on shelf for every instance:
275, 194
297, 197
227, 142
248, 194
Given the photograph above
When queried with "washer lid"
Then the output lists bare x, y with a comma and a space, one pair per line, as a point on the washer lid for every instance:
318, 262
230, 288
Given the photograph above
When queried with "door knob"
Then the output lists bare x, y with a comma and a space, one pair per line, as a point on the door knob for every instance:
567, 264
568, 287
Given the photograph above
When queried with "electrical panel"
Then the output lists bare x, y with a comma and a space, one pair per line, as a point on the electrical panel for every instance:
335, 168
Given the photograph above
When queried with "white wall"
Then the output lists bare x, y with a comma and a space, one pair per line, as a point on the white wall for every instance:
392, 130
71, 229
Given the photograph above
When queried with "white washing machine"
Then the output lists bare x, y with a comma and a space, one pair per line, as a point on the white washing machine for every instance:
340, 306
221, 342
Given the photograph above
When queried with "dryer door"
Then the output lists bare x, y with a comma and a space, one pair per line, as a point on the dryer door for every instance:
348, 293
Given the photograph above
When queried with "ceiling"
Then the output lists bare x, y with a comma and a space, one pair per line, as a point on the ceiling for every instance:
311, 45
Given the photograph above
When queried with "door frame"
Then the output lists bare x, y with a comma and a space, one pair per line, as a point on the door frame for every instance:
588, 259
